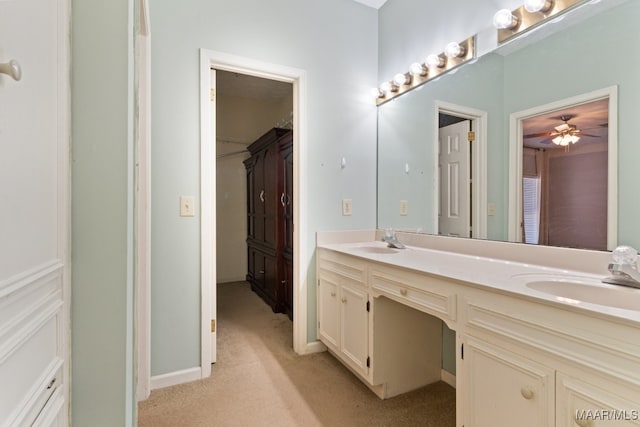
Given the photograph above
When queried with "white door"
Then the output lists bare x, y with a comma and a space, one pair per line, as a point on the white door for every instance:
34, 214
454, 211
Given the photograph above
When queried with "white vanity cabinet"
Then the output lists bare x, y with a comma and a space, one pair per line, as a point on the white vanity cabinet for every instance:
505, 389
526, 363
343, 309
391, 346
522, 360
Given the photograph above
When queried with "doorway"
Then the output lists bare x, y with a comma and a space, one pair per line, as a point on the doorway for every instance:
221, 61
460, 173
563, 163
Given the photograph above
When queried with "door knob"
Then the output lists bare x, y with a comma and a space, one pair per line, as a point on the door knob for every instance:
12, 69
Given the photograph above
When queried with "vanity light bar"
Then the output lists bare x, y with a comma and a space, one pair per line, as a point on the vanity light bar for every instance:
421, 73
524, 20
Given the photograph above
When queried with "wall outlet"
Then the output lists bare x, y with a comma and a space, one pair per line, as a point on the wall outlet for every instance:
404, 207
346, 207
187, 206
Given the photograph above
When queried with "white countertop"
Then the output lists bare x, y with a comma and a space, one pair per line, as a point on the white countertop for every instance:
493, 274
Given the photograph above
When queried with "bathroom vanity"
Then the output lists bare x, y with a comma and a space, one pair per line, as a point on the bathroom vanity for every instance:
540, 341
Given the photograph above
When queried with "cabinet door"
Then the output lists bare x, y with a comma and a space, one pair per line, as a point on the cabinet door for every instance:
328, 313
271, 196
582, 404
504, 389
354, 321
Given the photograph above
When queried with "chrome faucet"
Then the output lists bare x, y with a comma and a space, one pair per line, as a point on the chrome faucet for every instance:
624, 269
391, 239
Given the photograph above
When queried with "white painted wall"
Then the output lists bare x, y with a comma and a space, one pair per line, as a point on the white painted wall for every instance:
238, 120
335, 42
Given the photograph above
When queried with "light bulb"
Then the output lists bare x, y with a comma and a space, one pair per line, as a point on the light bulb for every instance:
417, 69
388, 87
454, 50
401, 79
533, 6
376, 93
434, 60
505, 20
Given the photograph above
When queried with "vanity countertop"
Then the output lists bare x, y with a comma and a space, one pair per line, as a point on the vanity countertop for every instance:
499, 275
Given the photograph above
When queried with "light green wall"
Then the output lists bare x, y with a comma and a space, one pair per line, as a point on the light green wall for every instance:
102, 287
335, 42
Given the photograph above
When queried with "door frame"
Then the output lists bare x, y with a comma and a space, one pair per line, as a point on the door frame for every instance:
478, 165
515, 165
223, 61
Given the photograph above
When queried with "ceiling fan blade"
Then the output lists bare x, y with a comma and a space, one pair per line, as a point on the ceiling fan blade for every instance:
537, 135
593, 136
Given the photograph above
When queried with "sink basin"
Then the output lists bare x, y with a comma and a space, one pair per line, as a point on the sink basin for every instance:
576, 290
377, 249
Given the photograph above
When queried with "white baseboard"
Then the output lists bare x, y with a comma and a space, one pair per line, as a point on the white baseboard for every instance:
313, 347
175, 378
448, 378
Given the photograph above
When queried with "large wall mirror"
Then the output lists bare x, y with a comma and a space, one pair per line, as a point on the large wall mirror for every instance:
473, 144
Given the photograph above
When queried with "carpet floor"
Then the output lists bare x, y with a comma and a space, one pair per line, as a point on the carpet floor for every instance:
258, 380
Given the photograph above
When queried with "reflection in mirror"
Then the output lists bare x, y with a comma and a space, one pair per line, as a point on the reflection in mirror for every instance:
578, 58
564, 176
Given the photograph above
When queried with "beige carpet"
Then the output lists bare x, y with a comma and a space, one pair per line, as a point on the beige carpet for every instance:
259, 381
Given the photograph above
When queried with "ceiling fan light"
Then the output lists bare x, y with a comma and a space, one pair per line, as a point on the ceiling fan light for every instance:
543, 6
557, 140
574, 139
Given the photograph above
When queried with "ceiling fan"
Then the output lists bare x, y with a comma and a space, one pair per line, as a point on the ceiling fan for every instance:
564, 134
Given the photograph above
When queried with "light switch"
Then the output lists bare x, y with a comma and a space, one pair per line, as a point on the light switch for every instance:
404, 207
491, 209
346, 207
187, 206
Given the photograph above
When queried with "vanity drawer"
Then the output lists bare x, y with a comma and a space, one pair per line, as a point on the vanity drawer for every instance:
427, 294
343, 265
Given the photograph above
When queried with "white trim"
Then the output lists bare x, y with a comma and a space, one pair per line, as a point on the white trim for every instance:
175, 378
142, 202
312, 347
515, 153
227, 62
64, 196
448, 378
479, 165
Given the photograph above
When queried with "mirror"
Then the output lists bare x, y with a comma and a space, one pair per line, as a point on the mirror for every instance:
584, 57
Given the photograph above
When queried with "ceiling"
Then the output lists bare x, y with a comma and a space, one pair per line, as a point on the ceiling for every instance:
591, 118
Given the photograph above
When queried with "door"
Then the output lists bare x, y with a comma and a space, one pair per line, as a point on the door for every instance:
34, 213
454, 217
504, 389
354, 322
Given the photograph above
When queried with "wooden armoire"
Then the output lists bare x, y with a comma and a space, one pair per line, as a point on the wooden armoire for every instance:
270, 219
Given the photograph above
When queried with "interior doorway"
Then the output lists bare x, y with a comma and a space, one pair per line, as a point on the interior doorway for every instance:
254, 159
225, 62
460, 199
563, 163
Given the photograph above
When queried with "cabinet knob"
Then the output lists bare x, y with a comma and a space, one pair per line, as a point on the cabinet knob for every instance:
261, 272
527, 392
583, 423
403, 292
333, 294
262, 196
344, 299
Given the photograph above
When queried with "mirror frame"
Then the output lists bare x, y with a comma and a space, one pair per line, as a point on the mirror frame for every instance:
515, 160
